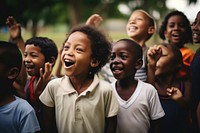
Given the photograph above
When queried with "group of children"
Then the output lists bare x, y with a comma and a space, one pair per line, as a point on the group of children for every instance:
152, 91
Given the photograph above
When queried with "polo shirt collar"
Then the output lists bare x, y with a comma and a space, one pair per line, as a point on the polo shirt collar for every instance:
68, 88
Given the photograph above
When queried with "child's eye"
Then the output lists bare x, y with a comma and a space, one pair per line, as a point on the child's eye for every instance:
182, 25
171, 25
66, 47
25, 54
34, 55
124, 57
79, 50
112, 57
139, 18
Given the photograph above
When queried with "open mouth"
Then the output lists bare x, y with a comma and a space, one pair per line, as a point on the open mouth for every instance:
132, 28
196, 35
116, 69
176, 35
68, 63
29, 67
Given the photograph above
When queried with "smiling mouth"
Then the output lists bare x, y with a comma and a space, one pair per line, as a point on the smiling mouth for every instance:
68, 63
133, 28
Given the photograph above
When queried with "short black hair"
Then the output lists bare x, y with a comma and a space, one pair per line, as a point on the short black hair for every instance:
188, 37
10, 55
48, 47
136, 47
100, 45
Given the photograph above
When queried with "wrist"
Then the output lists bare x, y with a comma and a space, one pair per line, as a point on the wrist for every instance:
151, 65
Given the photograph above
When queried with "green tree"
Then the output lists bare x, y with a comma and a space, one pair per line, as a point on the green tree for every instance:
71, 12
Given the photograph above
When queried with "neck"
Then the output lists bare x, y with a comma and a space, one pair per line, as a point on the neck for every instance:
141, 42
81, 83
126, 83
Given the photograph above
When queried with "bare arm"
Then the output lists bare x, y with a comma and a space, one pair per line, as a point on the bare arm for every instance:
153, 54
49, 123
15, 36
155, 126
58, 68
94, 20
198, 115
45, 77
111, 124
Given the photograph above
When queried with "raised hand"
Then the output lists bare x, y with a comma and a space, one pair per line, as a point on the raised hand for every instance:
45, 77
14, 28
94, 20
153, 54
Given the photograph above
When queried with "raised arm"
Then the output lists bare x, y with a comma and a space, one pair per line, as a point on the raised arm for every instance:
15, 36
153, 54
94, 20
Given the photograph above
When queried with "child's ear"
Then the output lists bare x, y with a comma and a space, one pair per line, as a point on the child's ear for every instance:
151, 30
13, 73
52, 60
94, 62
138, 63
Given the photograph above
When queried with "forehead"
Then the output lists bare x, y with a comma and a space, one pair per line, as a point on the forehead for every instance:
139, 14
32, 47
123, 46
176, 18
78, 37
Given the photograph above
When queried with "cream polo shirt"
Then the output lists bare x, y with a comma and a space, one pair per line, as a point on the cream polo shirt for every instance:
84, 113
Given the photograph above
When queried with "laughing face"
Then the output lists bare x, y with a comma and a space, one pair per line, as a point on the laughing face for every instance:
176, 30
33, 60
196, 29
122, 62
138, 25
77, 54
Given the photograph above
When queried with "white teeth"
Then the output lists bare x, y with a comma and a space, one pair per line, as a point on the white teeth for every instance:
67, 60
195, 35
132, 28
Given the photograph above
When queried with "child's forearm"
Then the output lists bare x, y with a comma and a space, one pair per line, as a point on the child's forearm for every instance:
111, 125
151, 73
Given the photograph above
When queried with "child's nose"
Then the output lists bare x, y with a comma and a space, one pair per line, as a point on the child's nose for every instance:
116, 60
69, 52
27, 59
132, 21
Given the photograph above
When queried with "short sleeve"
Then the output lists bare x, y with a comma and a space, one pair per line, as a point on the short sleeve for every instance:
47, 96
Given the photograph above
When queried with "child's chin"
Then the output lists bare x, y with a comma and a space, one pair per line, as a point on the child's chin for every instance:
31, 74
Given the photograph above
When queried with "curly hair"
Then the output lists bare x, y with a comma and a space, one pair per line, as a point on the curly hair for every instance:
48, 47
100, 45
188, 37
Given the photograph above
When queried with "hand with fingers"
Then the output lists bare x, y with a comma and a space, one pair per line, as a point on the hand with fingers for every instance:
174, 93
14, 28
94, 20
45, 77
153, 54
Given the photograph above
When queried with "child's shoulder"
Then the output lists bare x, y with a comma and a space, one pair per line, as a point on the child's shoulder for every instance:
22, 105
146, 86
104, 85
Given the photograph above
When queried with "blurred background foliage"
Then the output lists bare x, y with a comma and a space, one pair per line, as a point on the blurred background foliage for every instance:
38, 17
